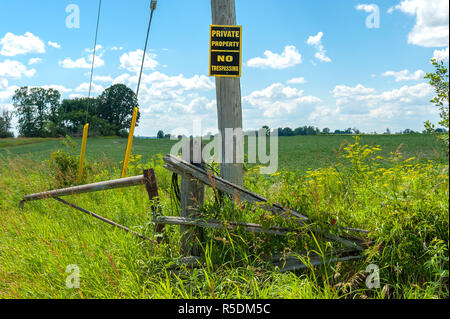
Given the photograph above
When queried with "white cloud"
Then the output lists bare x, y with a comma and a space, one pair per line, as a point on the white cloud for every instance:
369, 110
322, 57
441, 55
7, 94
153, 121
84, 88
3, 83
289, 58
198, 103
369, 8
432, 21
124, 78
157, 86
61, 88
82, 63
98, 48
34, 61
8, 107
15, 70
132, 61
85, 62
277, 100
406, 93
346, 91
75, 96
13, 45
162, 81
164, 88
54, 45
316, 41
362, 100
171, 102
405, 75
323, 112
300, 80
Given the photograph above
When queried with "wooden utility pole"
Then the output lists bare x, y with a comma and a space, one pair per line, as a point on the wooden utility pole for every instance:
228, 93
192, 195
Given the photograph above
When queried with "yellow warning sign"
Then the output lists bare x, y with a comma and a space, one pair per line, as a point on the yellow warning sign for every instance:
225, 50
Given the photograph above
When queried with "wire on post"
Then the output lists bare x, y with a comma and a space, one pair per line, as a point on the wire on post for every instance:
152, 8
93, 59
130, 136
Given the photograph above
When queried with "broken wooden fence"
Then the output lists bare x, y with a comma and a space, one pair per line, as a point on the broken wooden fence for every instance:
147, 178
189, 171
195, 176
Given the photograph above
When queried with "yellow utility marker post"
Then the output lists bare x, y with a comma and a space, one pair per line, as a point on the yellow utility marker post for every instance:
130, 143
83, 152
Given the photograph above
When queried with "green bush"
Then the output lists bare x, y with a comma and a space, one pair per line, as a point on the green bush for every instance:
439, 81
64, 165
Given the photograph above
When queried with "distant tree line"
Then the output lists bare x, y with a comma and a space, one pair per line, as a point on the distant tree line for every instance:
311, 130
41, 113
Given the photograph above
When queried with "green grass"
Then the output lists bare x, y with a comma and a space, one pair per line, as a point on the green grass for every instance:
12, 142
403, 202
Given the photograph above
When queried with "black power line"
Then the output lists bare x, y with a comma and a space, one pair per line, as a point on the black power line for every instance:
152, 8
93, 59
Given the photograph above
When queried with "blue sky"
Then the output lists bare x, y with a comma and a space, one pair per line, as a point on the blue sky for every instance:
304, 62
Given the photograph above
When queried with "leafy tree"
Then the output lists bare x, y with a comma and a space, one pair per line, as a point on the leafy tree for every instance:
73, 114
74, 117
300, 131
347, 131
265, 127
326, 130
116, 105
280, 131
311, 130
38, 111
439, 81
287, 131
160, 134
5, 124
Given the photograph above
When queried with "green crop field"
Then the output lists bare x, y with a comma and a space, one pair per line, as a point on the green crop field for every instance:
295, 153
396, 187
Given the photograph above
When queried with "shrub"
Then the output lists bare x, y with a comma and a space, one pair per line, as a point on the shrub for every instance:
439, 81
64, 165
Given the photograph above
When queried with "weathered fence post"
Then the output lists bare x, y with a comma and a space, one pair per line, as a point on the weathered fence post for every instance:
192, 195
229, 107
